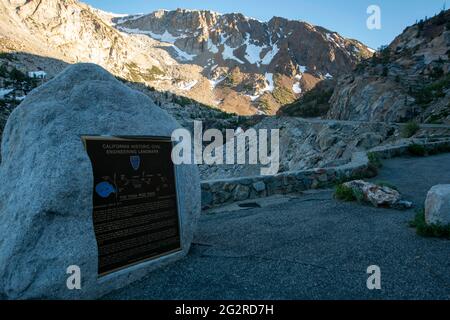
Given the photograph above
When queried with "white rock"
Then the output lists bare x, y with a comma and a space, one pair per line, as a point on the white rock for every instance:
437, 205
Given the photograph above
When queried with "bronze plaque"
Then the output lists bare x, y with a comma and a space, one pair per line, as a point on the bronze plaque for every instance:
135, 208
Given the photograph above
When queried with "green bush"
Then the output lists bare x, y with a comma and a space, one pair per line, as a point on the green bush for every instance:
313, 104
182, 101
152, 74
283, 95
359, 195
432, 91
7, 56
17, 76
440, 19
4, 71
410, 129
374, 159
344, 193
417, 150
441, 148
438, 118
437, 72
430, 231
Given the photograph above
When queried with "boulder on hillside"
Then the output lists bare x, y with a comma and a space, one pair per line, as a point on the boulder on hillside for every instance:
46, 188
437, 205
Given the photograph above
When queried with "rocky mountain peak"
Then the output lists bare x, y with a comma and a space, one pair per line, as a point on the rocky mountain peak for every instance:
235, 40
228, 61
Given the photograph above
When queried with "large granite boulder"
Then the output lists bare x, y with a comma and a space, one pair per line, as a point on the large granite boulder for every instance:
47, 181
437, 205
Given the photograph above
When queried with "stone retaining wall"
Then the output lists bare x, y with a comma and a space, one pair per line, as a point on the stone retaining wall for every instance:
224, 191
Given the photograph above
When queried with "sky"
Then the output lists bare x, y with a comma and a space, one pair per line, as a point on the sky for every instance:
347, 17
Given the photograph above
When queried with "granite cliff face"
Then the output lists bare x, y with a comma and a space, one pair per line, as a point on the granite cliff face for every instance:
407, 80
229, 61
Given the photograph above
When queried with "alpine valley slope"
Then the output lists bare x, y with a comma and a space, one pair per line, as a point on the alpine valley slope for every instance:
409, 80
229, 61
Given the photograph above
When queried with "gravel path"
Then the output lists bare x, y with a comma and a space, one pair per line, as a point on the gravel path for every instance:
313, 247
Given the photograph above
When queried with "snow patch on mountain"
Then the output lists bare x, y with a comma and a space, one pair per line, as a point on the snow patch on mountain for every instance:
183, 55
296, 88
269, 82
270, 55
253, 52
228, 53
187, 86
215, 82
37, 74
166, 37
212, 47
4, 92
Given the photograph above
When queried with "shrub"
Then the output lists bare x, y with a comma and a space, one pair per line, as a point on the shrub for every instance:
17, 76
182, 101
3, 71
344, 193
371, 172
417, 150
420, 25
383, 55
440, 19
314, 103
283, 95
432, 91
7, 56
359, 195
410, 129
374, 159
425, 230
437, 72
152, 74
442, 148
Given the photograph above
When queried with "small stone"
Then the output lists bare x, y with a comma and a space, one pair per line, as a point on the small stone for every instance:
323, 178
259, 186
241, 192
403, 205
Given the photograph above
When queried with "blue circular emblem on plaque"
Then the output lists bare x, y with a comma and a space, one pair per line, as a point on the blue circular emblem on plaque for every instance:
104, 189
